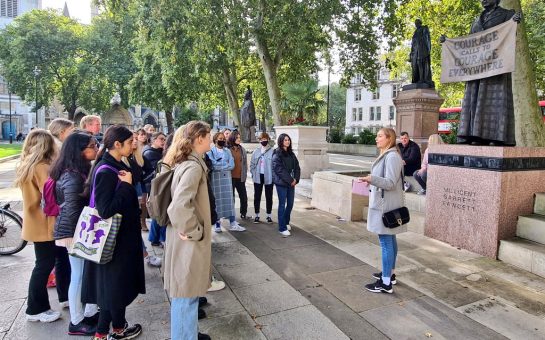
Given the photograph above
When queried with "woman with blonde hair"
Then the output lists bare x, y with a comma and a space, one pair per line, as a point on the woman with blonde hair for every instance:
38, 153
60, 128
386, 194
421, 175
188, 242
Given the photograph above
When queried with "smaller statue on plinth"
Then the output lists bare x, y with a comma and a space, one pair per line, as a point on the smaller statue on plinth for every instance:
420, 58
247, 115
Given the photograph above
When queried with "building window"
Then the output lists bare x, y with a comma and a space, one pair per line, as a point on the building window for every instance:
392, 112
378, 112
395, 90
3, 86
358, 79
357, 95
376, 93
360, 113
371, 113
8, 8
354, 114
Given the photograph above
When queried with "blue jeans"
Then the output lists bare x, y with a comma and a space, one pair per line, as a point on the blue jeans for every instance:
74, 292
388, 245
157, 233
286, 195
184, 324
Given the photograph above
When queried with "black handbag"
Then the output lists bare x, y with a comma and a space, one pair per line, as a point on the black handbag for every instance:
397, 217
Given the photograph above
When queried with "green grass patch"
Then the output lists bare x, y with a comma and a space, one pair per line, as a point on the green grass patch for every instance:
10, 149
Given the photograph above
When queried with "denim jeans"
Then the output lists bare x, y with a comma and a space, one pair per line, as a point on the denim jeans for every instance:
184, 324
157, 233
388, 245
74, 293
286, 195
421, 179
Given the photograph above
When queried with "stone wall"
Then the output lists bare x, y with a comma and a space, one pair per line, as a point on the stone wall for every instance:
352, 149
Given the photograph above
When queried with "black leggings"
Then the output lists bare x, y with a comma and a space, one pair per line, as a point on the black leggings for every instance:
48, 255
258, 189
240, 187
116, 317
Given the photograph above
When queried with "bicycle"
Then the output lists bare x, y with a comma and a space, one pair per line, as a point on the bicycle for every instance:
10, 231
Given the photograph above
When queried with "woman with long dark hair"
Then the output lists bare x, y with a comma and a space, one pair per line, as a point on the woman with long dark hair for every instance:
286, 175
116, 284
70, 172
31, 173
239, 172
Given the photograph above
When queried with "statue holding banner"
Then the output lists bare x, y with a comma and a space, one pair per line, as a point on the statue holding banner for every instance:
487, 116
420, 56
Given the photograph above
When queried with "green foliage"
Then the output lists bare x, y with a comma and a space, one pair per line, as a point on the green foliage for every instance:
186, 115
534, 17
349, 139
337, 106
335, 136
302, 100
366, 137
451, 137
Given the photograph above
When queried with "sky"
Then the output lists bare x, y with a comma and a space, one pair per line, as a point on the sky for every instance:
79, 9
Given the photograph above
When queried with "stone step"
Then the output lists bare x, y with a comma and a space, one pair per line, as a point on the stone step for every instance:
532, 227
524, 254
417, 222
539, 204
415, 187
415, 202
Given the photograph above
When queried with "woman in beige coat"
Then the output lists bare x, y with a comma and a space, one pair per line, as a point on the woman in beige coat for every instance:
31, 174
188, 239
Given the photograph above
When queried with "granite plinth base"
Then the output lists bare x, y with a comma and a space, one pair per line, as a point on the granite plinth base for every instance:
309, 144
476, 193
417, 112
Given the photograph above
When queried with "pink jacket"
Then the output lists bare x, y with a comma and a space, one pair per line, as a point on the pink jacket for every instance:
424, 166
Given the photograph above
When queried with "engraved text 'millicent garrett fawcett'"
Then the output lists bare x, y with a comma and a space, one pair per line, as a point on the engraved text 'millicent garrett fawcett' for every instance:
459, 199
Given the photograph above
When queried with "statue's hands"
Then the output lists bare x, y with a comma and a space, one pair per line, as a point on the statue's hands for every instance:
517, 17
442, 38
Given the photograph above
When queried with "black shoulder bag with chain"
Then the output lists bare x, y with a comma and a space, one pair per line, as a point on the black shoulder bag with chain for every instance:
397, 217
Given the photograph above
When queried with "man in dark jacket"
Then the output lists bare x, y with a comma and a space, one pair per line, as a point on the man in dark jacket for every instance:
410, 153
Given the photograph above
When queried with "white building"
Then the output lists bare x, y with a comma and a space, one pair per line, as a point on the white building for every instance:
21, 115
371, 109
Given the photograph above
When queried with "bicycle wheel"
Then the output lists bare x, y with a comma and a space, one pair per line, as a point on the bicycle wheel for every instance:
10, 233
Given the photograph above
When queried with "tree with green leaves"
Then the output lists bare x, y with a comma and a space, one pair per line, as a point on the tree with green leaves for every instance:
337, 106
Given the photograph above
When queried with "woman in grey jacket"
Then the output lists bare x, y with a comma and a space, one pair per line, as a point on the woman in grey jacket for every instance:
385, 181
261, 169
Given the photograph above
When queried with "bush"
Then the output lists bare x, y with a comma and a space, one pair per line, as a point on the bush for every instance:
335, 136
366, 137
349, 139
451, 138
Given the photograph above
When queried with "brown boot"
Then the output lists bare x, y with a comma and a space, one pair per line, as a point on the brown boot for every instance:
144, 214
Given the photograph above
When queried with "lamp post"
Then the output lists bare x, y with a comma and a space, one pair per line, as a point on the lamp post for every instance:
10, 127
37, 73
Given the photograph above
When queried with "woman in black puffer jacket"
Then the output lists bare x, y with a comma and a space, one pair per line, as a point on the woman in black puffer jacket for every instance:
70, 173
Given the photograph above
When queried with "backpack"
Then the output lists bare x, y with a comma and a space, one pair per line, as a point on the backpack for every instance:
160, 195
49, 203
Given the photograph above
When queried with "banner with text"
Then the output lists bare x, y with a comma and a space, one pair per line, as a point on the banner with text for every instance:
480, 55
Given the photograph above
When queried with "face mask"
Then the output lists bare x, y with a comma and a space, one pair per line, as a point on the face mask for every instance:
221, 143
265, 142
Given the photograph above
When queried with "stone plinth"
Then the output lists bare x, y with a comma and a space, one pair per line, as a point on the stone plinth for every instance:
476, 193
417, 112
332, 192
310, 146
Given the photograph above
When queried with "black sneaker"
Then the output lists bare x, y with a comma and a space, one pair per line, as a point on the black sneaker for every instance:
129, 332
203, 301
202, 313
92, 320
256, 219
378, 276
203, 336
82, 328
379, 287
269, 220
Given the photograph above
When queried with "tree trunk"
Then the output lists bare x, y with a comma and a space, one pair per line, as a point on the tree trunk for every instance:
170, 121
230, 87
269, 70
529, 127
71, 109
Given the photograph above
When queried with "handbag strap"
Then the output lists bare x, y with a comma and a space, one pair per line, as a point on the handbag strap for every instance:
100, 168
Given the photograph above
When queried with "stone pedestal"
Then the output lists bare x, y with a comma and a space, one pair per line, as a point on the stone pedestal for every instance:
309, 144
417, 112
476, 193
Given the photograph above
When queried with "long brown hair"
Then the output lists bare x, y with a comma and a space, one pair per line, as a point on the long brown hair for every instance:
39, 147
391, 135
182, 144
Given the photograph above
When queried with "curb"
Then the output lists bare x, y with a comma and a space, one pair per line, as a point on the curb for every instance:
9, 158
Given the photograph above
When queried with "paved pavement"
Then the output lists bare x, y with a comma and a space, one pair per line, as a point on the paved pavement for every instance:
309, 286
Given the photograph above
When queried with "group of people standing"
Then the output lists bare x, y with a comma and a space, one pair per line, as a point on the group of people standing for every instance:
116, 175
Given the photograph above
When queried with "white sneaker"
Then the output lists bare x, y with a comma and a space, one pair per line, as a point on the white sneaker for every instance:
47, 316
216, 285
153, 261
285, 233
64, 304
288, 226
236, 227
217, 228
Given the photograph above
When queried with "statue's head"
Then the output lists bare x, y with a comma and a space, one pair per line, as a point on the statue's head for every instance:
490, 3
418, 23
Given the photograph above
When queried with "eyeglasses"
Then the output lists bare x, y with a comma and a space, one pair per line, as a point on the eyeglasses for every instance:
92, 146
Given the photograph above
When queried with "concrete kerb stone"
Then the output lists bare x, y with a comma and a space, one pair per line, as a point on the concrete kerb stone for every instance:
9, 158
